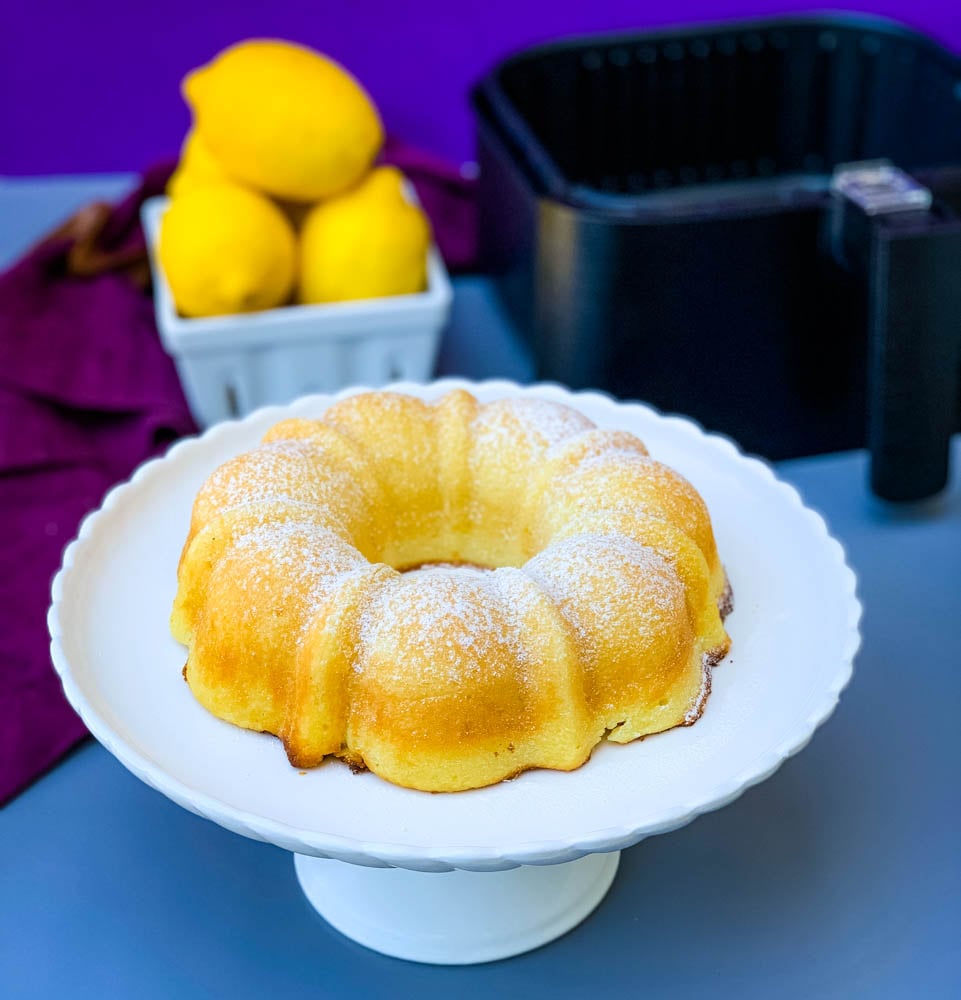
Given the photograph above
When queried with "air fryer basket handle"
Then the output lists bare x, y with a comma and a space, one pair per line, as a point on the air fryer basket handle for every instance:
886, 226
914, 320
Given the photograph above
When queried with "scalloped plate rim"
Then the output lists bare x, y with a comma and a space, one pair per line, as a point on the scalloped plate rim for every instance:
440, 857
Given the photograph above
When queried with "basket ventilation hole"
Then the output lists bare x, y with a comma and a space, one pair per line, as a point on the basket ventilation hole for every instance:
619, 57
592, 60
233, 407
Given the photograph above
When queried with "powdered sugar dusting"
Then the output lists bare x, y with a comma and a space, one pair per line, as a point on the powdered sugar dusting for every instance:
441, 626
634, 483
295, 565
597, 445
618, 572
436, 627
276, 469
293, 471
552, 422
501, 424
697, 707
616, 454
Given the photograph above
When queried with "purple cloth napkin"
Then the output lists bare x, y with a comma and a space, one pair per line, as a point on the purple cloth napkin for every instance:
448, 198
87, 394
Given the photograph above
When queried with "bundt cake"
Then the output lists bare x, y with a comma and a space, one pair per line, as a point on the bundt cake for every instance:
449, 593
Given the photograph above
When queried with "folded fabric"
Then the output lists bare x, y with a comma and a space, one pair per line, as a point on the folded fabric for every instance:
448, 198
87, 394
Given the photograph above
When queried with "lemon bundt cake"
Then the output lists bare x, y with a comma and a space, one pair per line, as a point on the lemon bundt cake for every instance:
450, 593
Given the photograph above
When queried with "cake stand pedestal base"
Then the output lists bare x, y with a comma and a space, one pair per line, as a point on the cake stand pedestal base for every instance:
459, 917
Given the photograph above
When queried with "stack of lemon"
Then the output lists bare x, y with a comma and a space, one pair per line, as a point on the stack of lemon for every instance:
276, 198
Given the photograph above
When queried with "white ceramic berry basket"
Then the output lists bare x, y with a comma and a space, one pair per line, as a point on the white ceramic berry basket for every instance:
527, 859
230, 365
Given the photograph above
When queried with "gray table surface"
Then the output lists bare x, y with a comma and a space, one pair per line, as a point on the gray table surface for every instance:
838, 877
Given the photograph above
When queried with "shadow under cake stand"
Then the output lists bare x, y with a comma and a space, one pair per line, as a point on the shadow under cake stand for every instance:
473, 876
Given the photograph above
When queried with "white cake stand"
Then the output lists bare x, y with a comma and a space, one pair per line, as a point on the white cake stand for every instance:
473, 876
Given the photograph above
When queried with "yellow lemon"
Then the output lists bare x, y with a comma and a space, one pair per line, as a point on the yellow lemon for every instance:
364, 244
284, 119
226, 249
196, 168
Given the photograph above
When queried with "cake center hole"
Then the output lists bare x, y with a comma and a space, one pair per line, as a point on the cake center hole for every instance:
468, 568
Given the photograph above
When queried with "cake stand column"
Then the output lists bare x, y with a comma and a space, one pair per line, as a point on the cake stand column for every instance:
458, 917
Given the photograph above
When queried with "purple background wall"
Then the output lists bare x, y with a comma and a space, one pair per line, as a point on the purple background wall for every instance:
93, 86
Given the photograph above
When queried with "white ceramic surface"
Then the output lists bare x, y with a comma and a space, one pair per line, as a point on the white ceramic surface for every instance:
794, 629
455, 918
230, 365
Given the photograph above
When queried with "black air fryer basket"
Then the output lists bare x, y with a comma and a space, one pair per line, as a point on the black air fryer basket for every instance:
756, 224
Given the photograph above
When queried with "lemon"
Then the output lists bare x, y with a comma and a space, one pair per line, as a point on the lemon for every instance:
226, 249
364, 244
197, 166
284, 119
